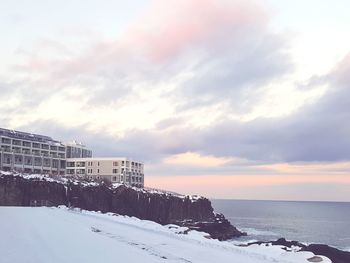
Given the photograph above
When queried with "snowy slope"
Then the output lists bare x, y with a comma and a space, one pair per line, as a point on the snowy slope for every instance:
59, 235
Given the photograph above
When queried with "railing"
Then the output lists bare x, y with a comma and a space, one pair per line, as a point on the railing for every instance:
8, 150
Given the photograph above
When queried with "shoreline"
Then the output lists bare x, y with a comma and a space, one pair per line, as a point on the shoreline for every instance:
253, 235
307, 222
334, 254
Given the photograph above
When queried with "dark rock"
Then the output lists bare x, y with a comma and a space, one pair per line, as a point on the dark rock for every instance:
218, 228
334, 254
17, 191
279, 242
163, 208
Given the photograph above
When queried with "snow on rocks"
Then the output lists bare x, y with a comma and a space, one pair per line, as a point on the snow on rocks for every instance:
89, 183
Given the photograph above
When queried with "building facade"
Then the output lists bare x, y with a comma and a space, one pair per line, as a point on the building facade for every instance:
31, 153
76, 149
116, 170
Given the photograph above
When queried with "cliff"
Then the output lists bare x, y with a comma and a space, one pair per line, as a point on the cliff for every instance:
161, 207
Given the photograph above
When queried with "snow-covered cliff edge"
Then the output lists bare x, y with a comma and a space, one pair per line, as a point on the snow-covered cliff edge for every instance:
161, 207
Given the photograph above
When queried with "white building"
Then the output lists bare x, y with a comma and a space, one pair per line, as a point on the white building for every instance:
116, 170
33, 153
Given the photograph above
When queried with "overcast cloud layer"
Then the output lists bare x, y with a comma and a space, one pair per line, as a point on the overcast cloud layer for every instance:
182, 80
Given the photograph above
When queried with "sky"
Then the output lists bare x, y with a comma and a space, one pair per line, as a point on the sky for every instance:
223, 98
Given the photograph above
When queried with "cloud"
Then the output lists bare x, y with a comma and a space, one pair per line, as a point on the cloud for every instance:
195, 159
316, 132
207, 52
175, 82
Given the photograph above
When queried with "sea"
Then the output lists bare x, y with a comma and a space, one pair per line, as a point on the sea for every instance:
307, 222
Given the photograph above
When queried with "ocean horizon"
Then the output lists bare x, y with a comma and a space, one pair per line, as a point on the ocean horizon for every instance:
321, 222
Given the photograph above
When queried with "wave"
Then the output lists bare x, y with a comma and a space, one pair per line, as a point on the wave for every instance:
256, 232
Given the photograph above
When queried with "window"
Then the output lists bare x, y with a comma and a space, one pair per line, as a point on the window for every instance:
70, 164
115, 163
98, 163
98, 170
114, 178
115, 171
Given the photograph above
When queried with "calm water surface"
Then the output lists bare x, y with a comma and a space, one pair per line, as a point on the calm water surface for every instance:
309, 222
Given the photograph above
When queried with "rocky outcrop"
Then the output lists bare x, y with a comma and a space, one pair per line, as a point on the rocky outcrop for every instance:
334, 254
219, 228
161, 207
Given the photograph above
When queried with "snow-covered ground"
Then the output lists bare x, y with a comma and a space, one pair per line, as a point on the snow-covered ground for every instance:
59, 235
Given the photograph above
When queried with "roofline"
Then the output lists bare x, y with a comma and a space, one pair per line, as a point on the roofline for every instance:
102, 159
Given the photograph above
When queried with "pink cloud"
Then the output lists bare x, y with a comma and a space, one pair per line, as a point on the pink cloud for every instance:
170, 27
167, 30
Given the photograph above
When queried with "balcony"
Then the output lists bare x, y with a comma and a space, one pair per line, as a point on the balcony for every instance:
70, 171
45, 164
36, 145
26, 144
45, 146
16, 142
28, 162
6, 149
53, 148
5, 141
16, 150
35, 152
45, 153
81, 171
18, 161
61, 149
80, 164
70, 164
7, 161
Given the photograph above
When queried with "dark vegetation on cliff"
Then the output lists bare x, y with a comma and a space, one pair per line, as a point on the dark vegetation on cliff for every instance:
161, 207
